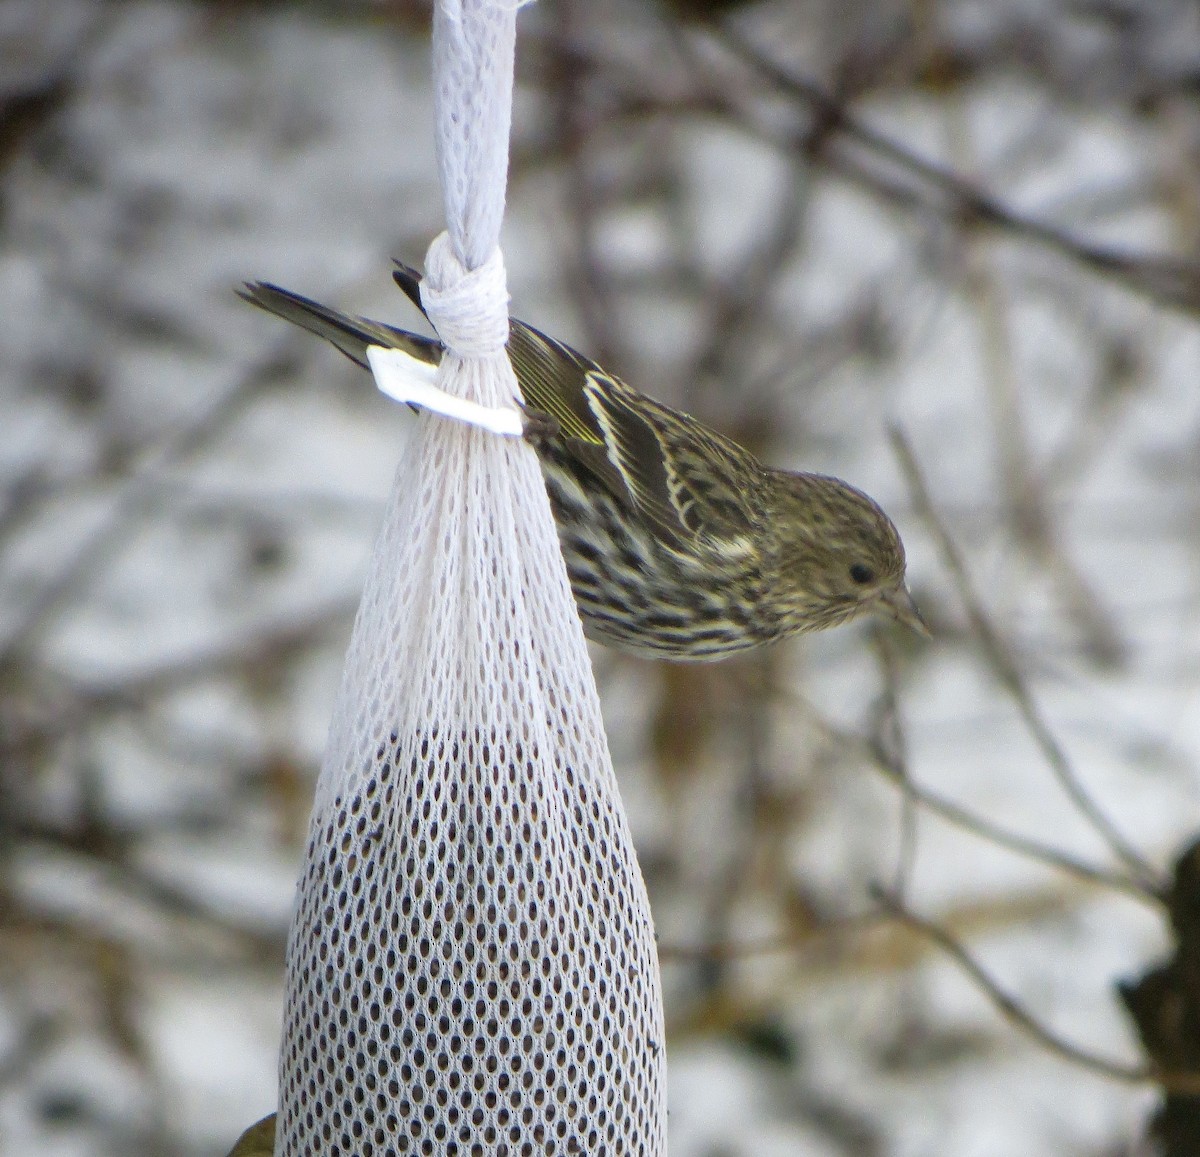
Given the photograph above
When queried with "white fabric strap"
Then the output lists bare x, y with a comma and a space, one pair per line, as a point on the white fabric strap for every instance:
407, 379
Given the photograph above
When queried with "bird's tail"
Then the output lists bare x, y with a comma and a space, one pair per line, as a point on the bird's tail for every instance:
351, 335
409, 280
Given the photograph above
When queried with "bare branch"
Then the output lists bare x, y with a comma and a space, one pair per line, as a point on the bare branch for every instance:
1004, 666
1016, 1014
99, 547
1168, 280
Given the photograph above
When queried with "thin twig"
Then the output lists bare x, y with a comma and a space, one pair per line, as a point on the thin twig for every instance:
751, 793
138, 498
883, 756
1016, 842
782, 944
84, 705
1030, 514
1170, 281
892, 745
1016, 1014
574, 150
1004, 666
111, 855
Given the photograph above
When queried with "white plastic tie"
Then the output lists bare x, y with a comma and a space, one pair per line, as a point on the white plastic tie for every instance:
408, 379
467, 307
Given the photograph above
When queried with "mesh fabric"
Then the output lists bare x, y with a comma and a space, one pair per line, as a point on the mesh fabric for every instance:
471, 967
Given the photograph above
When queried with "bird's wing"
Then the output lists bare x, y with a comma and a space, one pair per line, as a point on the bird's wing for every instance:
715, 484
687, 481
654, 459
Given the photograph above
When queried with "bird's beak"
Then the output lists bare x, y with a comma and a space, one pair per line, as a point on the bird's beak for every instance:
898, 603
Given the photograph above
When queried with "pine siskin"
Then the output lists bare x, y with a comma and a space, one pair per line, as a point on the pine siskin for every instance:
679, 543
257, 1141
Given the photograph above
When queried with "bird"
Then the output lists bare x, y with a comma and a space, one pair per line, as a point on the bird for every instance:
678, 542
257, 1141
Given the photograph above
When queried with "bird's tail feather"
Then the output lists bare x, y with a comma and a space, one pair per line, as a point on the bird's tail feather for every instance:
409, 280
351, 335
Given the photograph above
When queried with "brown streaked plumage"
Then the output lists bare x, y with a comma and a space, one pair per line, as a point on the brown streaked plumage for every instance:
679, 543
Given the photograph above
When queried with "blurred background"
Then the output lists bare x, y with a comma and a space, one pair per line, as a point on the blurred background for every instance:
914, 897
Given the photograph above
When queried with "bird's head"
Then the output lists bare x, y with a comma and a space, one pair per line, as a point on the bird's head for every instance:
839, 554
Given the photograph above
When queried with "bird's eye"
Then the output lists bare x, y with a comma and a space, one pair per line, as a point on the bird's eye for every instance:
861, 574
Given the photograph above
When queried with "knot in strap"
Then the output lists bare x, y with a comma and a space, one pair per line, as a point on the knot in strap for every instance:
468, 307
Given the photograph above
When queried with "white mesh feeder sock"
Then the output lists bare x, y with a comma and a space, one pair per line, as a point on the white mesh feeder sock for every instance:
471, 968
